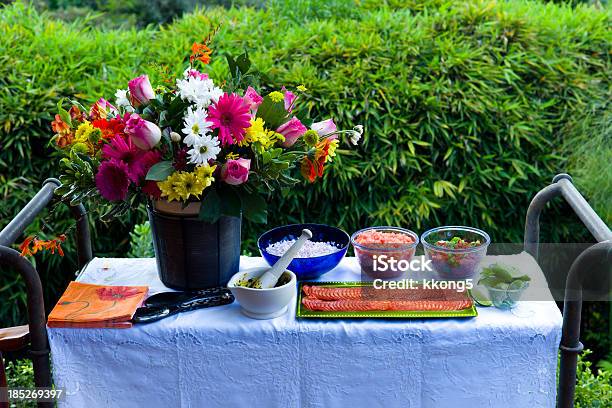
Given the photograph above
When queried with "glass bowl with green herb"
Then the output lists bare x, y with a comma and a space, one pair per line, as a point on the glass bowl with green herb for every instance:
455, 252
504, 284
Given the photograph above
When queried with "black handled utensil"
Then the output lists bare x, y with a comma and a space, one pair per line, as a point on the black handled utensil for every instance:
166, 304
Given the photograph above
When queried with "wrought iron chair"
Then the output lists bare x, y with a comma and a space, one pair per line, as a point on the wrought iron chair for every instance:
35, 333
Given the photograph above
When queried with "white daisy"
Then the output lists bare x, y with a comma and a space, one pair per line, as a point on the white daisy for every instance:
204, 149
196, 125
122, 100
201, 92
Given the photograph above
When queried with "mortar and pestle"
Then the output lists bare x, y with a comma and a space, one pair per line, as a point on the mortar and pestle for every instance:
264, 292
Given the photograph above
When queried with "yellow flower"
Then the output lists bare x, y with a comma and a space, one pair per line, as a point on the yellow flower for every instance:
276, 96
302, 88
331, 152
272, 138
182, 185
204, 173
254, 132
83, 131
232, 156
167, 187
261, 138
187, 185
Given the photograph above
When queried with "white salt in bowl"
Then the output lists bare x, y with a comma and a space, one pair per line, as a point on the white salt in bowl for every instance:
310, 267
262, 303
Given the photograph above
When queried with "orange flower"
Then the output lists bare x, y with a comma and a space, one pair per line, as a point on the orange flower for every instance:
24, 248
313, 167
59, 126
38, 245
64, 135
31, 245
64, 140
200, 52
322, 149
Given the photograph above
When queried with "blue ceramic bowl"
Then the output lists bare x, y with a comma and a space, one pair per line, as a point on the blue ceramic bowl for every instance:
307, 268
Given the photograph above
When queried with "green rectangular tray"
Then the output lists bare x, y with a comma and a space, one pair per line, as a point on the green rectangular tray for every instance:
302, 312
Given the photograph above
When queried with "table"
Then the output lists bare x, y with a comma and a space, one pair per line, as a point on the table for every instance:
220, 358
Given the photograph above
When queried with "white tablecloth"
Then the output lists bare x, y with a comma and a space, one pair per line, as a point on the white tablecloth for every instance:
219, 358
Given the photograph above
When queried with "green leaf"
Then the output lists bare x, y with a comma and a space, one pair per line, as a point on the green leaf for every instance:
232, 65
254, 207
240, 65
243, 62
160, 171
490, 281
210, 211
273, 113
63, 113
163, 121
231, 203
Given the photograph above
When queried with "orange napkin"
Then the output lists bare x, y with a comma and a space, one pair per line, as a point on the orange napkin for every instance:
94, 306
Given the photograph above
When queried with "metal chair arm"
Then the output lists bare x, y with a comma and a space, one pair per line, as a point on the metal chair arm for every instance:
570, 341
39, 349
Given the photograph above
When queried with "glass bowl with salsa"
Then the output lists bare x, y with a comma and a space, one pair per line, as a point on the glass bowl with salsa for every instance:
372, 243
455, 252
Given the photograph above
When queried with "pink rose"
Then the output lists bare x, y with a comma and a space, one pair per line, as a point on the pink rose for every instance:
289, 98
143, 134
236, 172
252, 98
141, 90
101, 109
292, 130
324, 127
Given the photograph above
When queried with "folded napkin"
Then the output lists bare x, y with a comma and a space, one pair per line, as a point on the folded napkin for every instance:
94, 306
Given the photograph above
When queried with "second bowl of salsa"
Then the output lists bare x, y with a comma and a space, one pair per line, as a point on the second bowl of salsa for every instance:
455, 252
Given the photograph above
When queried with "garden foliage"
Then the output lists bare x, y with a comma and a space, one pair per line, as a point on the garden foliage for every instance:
465, 105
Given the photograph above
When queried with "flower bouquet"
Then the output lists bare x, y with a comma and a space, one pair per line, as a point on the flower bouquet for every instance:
192, 147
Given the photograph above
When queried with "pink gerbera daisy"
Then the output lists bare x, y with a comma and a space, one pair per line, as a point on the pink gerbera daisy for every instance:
138, 161
112, 180
231, 116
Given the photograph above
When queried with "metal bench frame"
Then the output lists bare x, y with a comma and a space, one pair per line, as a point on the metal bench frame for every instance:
561, 187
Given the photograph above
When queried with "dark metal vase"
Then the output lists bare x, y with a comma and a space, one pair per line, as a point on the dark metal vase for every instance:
192, 254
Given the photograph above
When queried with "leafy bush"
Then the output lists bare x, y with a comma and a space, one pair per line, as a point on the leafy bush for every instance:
141, 243
465, 105
125, 13
20, 374
589, 149
592, 391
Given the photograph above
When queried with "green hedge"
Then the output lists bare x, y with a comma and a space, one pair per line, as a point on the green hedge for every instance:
465, 104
